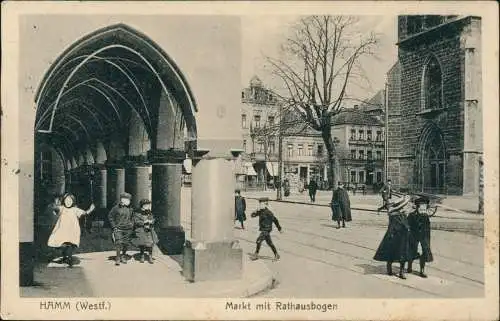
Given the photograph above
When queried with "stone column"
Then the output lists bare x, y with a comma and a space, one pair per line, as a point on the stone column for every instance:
100, 186
115, 182
137, 179
212, 253
166, 198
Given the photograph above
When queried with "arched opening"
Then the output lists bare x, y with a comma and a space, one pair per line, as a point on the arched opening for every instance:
432, 161
111, 106
432, 85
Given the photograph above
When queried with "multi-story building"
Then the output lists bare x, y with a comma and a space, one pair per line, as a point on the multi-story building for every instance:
360, 146
435, 105
358, 133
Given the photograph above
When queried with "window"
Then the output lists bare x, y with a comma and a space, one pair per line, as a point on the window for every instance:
432, 87
353, 134
46, 166
256, 119
270, 120
353, 153
271, 147
414, 24
290, 150
369, 155
300, 150
361, 177
245, 145
361, 154
261, 146
243, 121
320, 150
379, 136
379, 155
353, 176
242, 94
310, 150
361, 135
369, 135
433, 20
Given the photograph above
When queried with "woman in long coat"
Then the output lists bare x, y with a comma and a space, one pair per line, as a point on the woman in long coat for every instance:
341, 205
395, 244
66, 232
240, 207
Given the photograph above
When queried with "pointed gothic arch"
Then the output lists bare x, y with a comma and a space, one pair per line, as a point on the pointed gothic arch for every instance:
431, 161
431, 95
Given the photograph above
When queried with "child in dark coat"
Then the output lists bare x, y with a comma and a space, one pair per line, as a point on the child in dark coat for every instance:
145, 234
266, 221
420, 230
121, 220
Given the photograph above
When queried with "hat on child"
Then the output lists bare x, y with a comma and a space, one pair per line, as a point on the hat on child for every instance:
126, 195
144, 201
263, 199
421, 200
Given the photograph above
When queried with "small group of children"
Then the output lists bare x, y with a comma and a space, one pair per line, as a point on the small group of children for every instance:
125, 222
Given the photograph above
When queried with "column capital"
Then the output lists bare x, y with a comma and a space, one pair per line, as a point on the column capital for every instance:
114, 163
163, 156
99, 166
135, 160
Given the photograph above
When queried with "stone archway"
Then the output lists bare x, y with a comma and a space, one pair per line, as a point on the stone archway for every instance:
431, 161
92, 92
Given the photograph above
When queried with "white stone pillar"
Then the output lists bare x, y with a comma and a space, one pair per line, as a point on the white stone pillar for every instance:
212, 253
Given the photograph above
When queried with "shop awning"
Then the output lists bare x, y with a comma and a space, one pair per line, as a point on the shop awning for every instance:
272, 168
187, 165
250, 171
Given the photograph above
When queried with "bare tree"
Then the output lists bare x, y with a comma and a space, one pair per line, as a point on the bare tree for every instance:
320, 59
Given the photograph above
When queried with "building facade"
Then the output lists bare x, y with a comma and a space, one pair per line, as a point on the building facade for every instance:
360, 137
302, 148
435, 105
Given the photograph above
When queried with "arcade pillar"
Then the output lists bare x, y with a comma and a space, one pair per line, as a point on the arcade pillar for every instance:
137, 179
212, 253
166, 198
115, 182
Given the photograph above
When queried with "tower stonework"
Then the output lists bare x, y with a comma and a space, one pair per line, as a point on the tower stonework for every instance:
435, 105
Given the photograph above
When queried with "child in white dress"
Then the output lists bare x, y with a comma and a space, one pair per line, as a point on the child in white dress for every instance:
66, 232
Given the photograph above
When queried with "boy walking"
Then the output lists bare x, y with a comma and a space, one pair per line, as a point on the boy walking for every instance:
266, 221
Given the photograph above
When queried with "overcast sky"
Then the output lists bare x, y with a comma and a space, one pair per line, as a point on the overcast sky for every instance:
263, 35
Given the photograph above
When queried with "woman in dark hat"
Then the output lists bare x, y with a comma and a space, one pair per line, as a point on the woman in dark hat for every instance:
122, 224
66, 232
145, 234
420, 228
395, 244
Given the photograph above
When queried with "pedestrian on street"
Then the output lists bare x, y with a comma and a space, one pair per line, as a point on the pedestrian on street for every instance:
312, 187
386, 192
395, 244
46, 223
66, 232
420, 228
240, 206
122, 224
145, 234
266, 221
341, 205
286, 187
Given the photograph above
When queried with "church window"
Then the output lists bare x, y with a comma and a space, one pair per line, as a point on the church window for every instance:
432, 85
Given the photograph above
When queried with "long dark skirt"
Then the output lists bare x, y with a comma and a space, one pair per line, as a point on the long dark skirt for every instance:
420, 228
340, 212
395, 244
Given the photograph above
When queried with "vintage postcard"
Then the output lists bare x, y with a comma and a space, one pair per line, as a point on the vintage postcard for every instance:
249, 160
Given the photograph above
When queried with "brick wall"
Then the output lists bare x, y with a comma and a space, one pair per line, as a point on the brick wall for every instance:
405, 95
